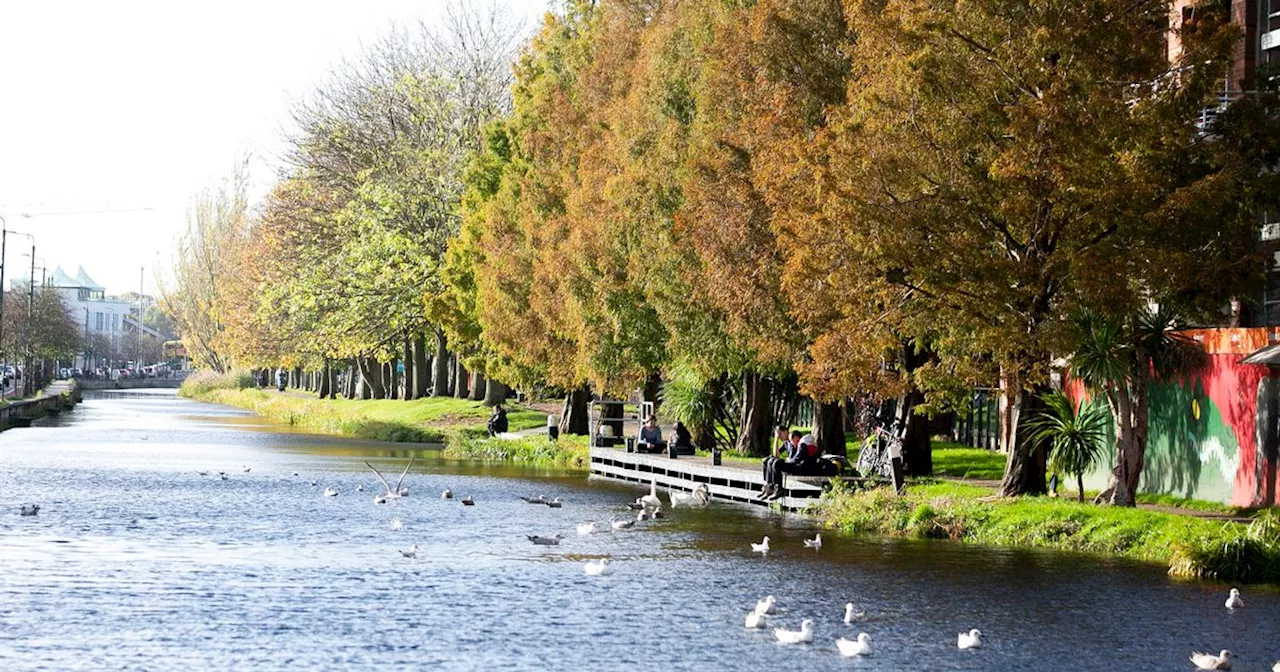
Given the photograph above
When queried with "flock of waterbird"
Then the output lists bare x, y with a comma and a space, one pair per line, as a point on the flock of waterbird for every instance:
649, 507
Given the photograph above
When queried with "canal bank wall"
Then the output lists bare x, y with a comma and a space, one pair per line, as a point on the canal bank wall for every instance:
61, 395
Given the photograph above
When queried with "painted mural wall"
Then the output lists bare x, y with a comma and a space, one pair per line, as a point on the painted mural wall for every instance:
1214, 435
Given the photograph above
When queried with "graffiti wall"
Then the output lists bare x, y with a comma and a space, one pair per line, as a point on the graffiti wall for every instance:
1214, 435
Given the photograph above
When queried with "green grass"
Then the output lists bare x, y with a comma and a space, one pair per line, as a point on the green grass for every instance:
429, 420
1189, 504
1189, 546
960, 461
568, 451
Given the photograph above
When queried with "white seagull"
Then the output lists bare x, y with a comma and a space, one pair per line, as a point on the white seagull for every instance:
397, 524
970, 640
1276, 667
447, 494
1234, 601
330, 492
411, 553
246, 468
555, 503
597, 568
622, 524
1208, 661
392, 493
850, 615
359, 487
856, 647
762, 548
545, 541
766, 606
755, 620
802, 636
589, 527
815, 543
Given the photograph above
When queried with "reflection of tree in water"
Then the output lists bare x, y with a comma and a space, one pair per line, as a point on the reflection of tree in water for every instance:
1179, 422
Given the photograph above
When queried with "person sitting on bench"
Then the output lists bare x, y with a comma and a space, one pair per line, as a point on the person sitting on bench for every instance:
787, 442
498, 421
651, 437
684, 440
805, 460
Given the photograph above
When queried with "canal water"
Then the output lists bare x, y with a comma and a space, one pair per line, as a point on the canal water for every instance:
138, 562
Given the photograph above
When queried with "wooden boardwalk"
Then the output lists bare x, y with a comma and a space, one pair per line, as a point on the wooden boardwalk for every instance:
733, 482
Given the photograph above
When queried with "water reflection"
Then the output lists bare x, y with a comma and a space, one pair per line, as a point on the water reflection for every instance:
137, 561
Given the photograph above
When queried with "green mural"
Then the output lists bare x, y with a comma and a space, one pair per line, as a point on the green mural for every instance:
1191, 450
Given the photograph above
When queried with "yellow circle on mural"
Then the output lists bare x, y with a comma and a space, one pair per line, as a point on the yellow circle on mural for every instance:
1195, 408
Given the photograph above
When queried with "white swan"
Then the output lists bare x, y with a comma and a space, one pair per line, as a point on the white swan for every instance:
650, 502
411, 553
815, 543
589, 527
622, 524
1208, 661
447, 494
597, 568
766, 606
679, 498
762, 548
1234, 601
755, 620
856, 647
802, 636
970, 640
330, 492
850, 615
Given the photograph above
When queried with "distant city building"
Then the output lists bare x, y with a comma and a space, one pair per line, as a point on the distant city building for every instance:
107, 321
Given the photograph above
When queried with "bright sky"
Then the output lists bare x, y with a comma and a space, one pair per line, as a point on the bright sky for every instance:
132, 104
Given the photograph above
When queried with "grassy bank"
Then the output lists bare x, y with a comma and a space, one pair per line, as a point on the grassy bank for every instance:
1188, 546
568, 451
430, 420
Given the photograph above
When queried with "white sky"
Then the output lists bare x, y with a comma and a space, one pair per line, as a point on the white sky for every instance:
132, 104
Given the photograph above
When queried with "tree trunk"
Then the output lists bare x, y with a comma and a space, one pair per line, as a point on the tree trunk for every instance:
573, 418
421, 368
440, 378
333, 381
1123, 487
323, 387
393, 376
828, 427
353, 379
477, 387
1080, 488
460, 378
494, 392
410, 392
371, 379
652, 391
917, 450
1024, 470
754, 432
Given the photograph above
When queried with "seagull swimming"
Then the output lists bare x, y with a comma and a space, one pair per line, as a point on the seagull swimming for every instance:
313, 483
30, 510
815, 543
850, 615
467, 501
330, 492
397, 524
1208, 661
411, 553
597, 568
766, 606
802, 636
246, 468
398, 491
545, 541
762, 548
755, 620
622, 524
587, 527
447, 494
359, 487
222, 475
555, 503
857, 647
970, 640
202, 473
1234, 601
641, 515
534, 500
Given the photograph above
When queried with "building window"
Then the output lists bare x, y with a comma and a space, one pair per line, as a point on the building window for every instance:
115, 322
98, 321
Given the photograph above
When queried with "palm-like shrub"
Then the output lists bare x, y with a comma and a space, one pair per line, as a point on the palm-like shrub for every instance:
1075, 436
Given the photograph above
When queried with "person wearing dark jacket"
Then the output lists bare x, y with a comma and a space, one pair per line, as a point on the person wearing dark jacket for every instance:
805, 460
784, 451
498, 421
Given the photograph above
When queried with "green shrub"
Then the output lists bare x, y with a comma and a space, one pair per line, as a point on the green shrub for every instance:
566, 452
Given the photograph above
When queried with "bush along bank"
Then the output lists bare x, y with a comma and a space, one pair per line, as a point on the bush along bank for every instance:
567, 451
1188, 546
